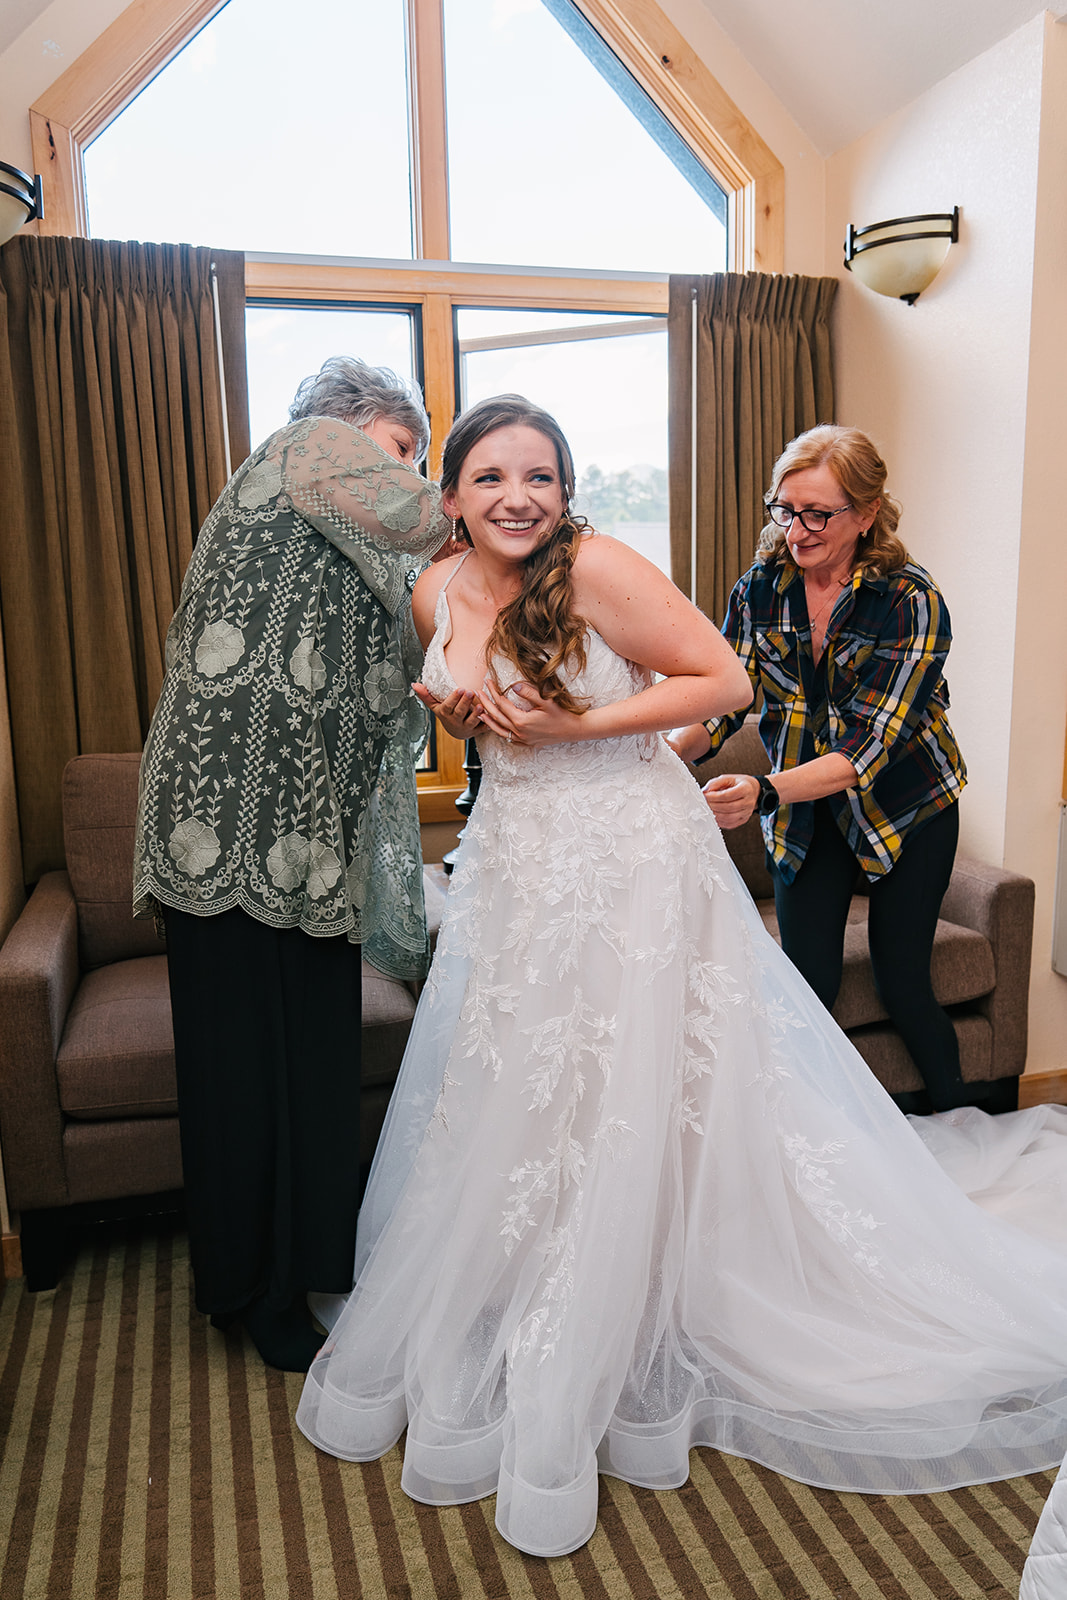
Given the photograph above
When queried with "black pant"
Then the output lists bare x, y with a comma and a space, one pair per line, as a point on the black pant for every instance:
903, 909
267, 1049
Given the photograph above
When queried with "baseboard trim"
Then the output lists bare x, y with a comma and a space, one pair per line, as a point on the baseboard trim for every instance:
10, 1256
1043, 1089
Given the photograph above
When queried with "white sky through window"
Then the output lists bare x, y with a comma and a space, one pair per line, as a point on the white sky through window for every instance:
287, 343
288, 134
547, 166
275, 129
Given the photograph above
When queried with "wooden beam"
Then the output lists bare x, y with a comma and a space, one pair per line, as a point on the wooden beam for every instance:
439, 372
644, 297
428, 129
57, 157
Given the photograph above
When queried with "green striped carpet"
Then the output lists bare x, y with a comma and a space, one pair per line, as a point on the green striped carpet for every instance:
142, 1454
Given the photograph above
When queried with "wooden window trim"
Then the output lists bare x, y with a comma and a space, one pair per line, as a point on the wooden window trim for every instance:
700, 110
428, 129
435, 288
144, 37
92, 92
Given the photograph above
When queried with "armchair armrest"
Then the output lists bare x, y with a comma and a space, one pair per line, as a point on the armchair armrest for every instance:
39, 972
1000, 905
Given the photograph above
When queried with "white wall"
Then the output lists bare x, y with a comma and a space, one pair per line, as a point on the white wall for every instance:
963, 394
1039, 699
40, 55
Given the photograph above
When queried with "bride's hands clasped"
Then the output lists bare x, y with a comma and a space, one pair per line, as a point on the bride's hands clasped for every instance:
461, 714
522, 716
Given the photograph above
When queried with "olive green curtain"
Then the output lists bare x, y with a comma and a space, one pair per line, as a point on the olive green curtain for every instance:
764, 373
113, 451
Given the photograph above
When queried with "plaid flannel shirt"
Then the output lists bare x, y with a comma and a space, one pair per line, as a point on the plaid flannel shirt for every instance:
877, 695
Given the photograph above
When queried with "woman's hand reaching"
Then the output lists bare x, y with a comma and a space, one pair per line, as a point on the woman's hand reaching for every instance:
732, 797
522, 716
461, 714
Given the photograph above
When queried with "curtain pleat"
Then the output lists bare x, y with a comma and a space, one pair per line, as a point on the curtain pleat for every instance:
12, 888
111, 427
764, 373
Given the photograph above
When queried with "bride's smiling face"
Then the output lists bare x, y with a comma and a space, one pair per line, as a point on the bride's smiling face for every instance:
508, 493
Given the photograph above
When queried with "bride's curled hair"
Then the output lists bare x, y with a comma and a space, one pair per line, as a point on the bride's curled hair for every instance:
540, 630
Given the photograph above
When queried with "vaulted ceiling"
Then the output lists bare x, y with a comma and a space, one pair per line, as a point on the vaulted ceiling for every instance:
841, 66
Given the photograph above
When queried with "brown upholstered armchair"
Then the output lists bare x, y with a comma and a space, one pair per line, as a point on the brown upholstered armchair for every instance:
88, 1109
981, 961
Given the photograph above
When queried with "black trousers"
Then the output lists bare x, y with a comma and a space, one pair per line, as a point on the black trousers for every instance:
267, 1049
902, 919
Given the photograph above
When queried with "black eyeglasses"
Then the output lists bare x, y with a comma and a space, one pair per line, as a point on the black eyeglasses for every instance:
811, 520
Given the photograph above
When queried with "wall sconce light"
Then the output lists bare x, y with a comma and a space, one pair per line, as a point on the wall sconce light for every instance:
20, 200
903, 256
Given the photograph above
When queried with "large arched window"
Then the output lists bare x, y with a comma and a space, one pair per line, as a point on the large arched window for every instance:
485, 194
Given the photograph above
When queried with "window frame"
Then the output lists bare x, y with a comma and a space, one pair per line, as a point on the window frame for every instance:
140, 42
435, 289
95, 88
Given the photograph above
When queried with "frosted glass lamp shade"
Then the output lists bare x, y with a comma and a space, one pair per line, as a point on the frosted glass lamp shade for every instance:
901, 257
20, 200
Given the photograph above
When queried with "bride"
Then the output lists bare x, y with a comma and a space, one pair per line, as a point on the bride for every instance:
636, 1192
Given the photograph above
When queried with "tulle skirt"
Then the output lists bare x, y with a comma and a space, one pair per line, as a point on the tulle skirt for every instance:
637, 1192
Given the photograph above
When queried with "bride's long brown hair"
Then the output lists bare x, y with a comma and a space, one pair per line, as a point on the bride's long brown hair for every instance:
539, 631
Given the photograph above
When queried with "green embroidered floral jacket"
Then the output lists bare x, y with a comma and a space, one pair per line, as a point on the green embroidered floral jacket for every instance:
278, 774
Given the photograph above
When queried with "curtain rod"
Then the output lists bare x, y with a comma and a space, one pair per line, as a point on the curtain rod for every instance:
222, 372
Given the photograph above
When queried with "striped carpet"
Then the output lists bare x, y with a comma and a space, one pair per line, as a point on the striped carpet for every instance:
142, 1454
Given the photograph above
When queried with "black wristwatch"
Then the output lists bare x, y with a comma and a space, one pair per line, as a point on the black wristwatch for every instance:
769, 798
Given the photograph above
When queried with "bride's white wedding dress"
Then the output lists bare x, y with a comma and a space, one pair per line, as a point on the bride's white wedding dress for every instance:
637, 1192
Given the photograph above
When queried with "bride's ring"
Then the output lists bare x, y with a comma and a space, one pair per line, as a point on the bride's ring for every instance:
509, 736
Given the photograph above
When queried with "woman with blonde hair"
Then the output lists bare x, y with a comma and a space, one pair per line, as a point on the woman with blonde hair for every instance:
846, 637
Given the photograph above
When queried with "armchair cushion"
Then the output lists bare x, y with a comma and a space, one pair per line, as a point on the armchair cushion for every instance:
116, 1058
962, 968
388, 1007
99, 811
38, 978
119, 1160
883, 1050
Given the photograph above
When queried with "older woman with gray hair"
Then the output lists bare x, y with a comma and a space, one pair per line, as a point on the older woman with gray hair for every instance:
278, 835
